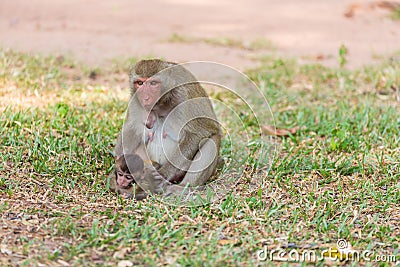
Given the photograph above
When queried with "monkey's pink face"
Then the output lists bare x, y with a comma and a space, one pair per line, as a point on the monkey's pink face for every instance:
124, 180
148, 91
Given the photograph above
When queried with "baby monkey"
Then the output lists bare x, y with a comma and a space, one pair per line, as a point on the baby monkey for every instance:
130, 169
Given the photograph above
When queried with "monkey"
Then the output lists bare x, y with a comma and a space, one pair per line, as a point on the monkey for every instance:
123, 179
130, 169
170, 120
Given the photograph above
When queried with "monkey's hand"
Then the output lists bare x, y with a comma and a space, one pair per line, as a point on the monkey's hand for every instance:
112, 182
160, 183
127, 195
172, 173
174, 190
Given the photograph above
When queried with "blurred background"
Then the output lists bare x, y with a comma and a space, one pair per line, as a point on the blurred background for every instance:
236, 33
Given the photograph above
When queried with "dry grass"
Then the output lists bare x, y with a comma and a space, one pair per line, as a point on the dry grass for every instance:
337, 178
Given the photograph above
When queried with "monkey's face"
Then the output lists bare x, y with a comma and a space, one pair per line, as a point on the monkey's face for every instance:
148, 91
124, 179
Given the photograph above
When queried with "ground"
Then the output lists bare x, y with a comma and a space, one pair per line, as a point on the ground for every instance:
97, 31
331, 187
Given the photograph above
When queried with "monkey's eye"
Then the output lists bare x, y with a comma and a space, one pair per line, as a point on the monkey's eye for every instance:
129, 177
138, 83
154, 83
120, 174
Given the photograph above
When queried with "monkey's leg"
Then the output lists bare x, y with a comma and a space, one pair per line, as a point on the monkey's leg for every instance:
141, 196
201, 169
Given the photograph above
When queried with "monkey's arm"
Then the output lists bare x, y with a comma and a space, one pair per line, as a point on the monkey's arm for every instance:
112, 181
130, 139
128, 142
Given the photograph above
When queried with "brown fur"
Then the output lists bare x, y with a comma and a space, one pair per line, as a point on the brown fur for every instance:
147, 68
133, 164
195, 128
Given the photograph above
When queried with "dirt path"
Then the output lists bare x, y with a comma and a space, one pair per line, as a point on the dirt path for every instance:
95, 31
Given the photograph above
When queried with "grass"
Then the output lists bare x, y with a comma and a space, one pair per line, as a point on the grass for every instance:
336, 178
395, 14
253, 45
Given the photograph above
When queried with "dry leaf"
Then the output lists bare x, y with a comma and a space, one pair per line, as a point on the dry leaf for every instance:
391, 5
125, 263
63, 263
120, 254
228, 241
349, 13
271, 130
4, 249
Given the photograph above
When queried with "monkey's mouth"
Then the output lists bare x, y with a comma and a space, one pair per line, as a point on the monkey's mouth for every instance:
146, 104
126, 187
148, 107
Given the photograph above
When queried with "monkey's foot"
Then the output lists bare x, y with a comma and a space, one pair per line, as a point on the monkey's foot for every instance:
177, 190
160, 183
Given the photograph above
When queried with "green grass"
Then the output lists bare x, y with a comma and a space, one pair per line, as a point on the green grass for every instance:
253, 45
395, 14
336, 178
